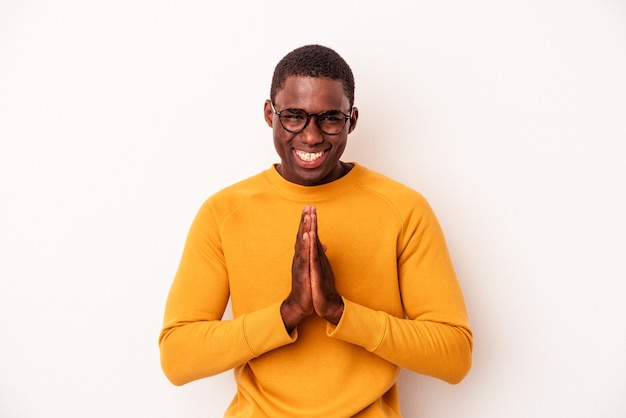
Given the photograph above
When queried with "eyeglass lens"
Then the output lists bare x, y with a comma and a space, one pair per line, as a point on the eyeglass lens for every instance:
330, 122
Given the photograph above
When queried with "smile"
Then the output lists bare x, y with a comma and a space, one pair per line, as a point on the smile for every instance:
309, 156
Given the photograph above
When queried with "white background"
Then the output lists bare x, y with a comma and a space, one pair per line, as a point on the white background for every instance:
118, 118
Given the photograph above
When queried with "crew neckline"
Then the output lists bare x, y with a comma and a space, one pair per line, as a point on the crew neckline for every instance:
315, 193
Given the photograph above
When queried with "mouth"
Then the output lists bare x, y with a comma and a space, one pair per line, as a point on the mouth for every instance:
309, 157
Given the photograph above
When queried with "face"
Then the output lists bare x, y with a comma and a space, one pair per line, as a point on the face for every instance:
311, 157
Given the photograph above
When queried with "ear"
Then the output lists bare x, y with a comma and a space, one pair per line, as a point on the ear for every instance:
353, 119
268, 113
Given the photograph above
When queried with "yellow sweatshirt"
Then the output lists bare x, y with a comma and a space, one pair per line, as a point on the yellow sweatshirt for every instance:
403, 303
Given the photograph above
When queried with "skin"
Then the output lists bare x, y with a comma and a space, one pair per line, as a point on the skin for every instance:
313, 289
314, 95
312, 281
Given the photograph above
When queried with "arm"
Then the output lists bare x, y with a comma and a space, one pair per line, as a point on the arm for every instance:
438, 349
434, 338
195, 342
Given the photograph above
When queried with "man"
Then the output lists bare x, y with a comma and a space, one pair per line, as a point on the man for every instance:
321, 327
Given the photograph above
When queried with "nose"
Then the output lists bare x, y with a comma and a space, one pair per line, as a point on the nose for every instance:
312, 134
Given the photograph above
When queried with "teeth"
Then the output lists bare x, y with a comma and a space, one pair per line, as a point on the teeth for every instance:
309, 156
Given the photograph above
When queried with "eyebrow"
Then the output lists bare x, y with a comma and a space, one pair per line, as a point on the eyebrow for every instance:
292, 109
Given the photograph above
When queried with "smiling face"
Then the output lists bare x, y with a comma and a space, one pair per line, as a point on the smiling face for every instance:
311, 157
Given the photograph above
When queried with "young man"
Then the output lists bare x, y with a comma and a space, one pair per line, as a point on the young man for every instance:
321, 327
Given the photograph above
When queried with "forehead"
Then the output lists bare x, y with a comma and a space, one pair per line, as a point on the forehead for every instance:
313, 94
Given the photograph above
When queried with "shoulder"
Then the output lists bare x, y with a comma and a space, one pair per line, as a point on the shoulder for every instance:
249, 186
237, 195
395, 192
409, 206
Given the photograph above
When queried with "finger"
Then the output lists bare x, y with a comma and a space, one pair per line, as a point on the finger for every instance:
313, 255
313, 214
320, 248
307, 218
315, 226
303, 227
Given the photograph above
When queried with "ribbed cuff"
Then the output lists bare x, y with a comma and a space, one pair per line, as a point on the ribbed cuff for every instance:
360, 326
264, 330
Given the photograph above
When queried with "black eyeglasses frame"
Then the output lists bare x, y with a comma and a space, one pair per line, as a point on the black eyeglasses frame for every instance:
308, 119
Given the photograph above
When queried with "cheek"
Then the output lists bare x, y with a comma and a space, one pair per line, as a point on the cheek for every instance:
340, 145
281, 143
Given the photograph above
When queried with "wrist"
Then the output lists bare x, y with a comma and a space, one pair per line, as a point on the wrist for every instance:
291, 314
335, 312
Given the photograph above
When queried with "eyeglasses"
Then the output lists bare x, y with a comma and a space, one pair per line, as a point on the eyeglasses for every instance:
330, 122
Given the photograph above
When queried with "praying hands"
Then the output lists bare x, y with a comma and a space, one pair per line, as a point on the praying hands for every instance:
312, 280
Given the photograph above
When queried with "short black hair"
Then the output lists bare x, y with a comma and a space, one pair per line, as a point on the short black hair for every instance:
313, 61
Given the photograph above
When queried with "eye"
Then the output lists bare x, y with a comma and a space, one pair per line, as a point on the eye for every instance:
293, 114
331, 116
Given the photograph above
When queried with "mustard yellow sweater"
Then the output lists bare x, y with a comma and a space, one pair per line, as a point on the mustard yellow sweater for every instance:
403, 304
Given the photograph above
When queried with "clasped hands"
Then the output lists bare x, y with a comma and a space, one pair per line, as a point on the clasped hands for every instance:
312, 280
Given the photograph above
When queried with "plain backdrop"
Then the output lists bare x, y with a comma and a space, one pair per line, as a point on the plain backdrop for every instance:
119, 118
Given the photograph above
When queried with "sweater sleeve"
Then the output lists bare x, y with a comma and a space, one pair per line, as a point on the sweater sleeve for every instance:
434, 338
195, 342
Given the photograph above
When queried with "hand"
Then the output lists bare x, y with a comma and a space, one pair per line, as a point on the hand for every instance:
312, 279
299, 303
327, 302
